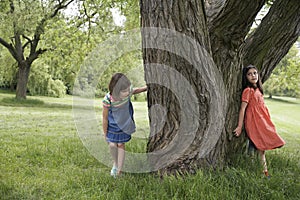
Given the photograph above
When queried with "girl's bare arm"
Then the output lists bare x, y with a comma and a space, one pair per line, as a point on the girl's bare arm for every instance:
105, 121
238, 129
139, 90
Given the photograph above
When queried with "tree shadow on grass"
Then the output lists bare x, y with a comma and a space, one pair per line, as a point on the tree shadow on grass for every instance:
36, 103
11, 101
282, 100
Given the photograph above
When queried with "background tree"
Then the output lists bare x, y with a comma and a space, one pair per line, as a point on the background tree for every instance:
25, 24
222, 27
284, 80
54, 72
62, 34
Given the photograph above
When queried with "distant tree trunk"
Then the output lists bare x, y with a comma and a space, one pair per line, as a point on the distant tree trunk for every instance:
220, 27
23, 75
13, 82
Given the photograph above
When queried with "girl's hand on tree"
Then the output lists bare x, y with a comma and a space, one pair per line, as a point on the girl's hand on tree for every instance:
237, 132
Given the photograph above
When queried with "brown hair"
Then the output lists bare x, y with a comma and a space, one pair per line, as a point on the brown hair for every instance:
246, 83
118, 83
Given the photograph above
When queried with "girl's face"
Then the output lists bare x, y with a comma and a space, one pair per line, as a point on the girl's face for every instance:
125, 93
252, 76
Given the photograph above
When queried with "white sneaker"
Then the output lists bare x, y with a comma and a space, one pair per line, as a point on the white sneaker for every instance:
113, 171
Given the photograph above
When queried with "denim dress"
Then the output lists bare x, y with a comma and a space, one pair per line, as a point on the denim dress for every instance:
120, 119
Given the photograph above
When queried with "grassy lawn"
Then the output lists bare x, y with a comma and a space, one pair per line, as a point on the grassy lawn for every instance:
285, 113
42, 157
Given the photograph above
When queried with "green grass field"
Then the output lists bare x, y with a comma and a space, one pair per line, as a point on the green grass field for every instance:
42, 157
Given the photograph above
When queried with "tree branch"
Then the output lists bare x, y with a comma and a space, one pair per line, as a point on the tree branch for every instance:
234, 21
62, 5
35, 55
274, 37
9, 47
213, 8
40, 28
4, 43
29, 41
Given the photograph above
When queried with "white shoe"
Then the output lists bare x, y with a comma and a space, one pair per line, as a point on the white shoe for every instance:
113, 171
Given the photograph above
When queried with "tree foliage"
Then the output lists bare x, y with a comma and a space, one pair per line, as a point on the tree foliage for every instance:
23, 24
284, 80
8, 70
62, 42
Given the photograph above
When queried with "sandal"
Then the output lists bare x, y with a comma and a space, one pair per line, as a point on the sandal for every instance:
267, 174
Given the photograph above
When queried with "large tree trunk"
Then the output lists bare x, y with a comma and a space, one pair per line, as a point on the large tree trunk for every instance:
185, 83
23, 75
193, 60
228, 30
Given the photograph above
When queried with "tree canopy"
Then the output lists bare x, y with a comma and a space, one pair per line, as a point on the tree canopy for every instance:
284, 80
59, 35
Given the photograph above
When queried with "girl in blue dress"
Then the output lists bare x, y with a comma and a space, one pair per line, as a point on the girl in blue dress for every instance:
118, 123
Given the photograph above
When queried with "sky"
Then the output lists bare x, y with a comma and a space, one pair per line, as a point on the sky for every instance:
118, 18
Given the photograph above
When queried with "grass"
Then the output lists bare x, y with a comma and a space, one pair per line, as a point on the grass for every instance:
285, 113
42, 157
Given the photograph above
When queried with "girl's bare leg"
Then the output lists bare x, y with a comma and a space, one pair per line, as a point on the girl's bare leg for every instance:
113, 147
263, 161
121, 157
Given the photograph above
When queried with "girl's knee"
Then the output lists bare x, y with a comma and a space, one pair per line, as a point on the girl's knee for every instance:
261, 152
121, 145
113, 145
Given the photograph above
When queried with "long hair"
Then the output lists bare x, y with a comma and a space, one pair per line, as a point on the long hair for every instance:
246, 83
118, 83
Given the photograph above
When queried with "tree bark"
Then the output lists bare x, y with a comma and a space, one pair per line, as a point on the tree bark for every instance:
23, 75
228, 30
220, 27
273, 38
171, 138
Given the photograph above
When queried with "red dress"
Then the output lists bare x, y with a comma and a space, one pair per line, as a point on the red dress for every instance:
258, 124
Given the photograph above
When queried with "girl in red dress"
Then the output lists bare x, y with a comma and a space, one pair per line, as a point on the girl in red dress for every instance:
254, 113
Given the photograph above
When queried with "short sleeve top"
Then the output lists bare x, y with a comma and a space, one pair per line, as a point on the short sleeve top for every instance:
246, 95
120, 115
